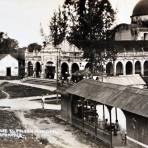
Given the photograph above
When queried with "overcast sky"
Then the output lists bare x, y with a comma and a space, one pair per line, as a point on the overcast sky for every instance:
21, 18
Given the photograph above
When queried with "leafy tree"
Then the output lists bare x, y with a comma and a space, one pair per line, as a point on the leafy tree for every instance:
84, 21
34, 47
90, 19
58, 27
7, 44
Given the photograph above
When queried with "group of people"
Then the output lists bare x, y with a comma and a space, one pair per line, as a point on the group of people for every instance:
115, 128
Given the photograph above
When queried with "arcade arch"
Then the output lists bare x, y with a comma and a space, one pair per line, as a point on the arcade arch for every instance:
74, 67
30, 68
146, 68
64, 70
50, 70
109, 69
119, 68
38, 69
129, 68
137, 67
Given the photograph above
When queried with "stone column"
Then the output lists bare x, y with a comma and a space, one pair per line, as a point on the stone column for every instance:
114, 68
70, 69
43, 71
142, 67
133, 63
26, 69
124, 68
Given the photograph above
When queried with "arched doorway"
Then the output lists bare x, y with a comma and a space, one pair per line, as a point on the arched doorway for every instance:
30, 69
109, 69
38, 69
146, 68
137, 68
50, 70
119, 68
75, 67
75, 73
129, 68
64, 70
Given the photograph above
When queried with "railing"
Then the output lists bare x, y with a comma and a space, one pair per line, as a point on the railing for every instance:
132, 54
92, 130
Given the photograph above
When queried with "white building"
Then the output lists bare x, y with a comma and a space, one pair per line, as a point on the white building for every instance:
134, 58
9, 66
66, 58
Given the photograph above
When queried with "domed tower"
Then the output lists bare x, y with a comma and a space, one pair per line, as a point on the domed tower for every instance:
140, 13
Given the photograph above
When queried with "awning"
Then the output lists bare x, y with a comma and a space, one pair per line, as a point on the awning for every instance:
130, 99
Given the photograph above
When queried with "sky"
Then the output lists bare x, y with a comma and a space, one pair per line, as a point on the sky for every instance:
21, 19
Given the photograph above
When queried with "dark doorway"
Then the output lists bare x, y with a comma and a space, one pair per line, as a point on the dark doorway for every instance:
9, 71
50, 70
129, 68
137, 68
64, 70
75, 67
109, 69
38, 69
146, 68
30, 69
119, 69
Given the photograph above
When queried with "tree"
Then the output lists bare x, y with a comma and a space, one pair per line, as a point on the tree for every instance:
7, 44
85, 21
58, 27
34, 47
90, 19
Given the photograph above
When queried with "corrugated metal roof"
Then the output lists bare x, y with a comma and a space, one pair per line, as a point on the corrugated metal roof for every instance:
130, 80
130, 99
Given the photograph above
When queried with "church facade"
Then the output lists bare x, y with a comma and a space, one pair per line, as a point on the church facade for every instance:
50, 61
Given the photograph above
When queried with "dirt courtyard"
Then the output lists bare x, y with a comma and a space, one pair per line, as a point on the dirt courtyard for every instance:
44, 130
24, 124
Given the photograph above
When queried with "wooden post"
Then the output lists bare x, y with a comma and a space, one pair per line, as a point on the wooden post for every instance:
116, 113
103, 113
83, 114
57, 69
110, 115
96, 120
